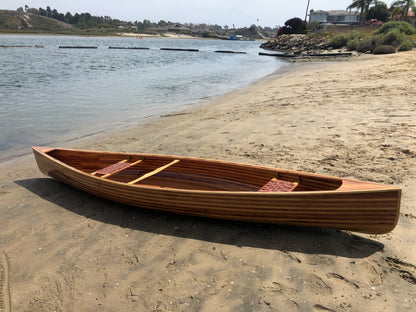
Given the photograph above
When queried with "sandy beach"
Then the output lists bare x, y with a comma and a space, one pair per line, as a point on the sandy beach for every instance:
64, 250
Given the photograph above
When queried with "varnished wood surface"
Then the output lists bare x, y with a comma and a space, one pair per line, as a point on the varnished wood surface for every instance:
227, 190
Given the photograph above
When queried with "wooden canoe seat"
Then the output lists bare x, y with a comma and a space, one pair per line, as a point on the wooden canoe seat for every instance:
114, 168
275, 185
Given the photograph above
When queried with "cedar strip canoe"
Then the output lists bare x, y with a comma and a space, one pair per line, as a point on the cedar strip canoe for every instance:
225, 190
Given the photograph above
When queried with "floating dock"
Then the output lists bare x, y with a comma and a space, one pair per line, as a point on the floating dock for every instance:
231, 52
78, 47
176, 49
129, 48
20, 46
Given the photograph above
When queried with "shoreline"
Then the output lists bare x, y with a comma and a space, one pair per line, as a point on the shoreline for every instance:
118, 35
133, 122
67, 250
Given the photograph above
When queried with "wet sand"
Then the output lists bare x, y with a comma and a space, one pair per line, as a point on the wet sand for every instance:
64, 250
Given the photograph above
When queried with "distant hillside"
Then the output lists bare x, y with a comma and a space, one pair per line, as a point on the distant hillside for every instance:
31, 20
13, 21
252, 32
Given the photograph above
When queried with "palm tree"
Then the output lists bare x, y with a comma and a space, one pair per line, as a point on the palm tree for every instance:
363, 6
402, 7
307, 9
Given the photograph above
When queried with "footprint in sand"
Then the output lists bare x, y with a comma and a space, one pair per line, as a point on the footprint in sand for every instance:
406, 271
321, 308
375, 271
317, 285
342, 278
5, 300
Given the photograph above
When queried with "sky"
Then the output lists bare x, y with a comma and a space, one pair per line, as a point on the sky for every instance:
240, 13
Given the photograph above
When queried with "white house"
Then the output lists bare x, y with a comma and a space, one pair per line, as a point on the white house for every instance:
318, 16
335, 17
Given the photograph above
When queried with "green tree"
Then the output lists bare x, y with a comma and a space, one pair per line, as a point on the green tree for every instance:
363, 6
54, 13
294, 26
42, 12
68, 17
147, 24
402, 7
379, 11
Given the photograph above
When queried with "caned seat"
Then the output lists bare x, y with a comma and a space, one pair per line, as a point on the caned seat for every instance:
275, 185
114, 168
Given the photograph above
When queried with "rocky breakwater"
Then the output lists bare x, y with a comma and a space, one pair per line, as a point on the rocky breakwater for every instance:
297, 45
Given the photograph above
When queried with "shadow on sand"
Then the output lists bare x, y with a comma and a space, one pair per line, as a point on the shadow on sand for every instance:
267, 236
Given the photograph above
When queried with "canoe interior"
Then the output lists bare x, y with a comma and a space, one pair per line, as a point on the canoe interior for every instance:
189, 173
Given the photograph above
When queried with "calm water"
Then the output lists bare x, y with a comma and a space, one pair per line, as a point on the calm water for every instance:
50, 95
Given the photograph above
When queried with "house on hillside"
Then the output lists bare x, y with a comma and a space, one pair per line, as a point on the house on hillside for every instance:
175, 28
335, 17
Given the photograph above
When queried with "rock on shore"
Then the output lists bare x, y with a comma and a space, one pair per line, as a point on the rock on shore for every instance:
296, 44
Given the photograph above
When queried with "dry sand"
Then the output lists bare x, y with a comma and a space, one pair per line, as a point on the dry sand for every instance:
64, 250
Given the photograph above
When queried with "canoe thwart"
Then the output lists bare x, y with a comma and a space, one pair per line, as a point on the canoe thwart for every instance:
151, 173
275, 185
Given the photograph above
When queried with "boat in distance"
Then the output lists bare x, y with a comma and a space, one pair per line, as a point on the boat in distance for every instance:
225, 190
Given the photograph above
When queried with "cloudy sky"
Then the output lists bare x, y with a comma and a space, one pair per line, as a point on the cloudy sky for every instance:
241, 13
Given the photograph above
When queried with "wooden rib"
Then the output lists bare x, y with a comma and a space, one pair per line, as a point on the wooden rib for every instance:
149, 174
130, 165
120, 162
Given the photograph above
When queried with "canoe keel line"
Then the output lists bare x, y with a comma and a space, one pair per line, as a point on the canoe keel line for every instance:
225, 190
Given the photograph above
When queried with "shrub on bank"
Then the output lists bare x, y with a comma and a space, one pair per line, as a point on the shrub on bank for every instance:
352, 45
377, 40
403, 27
406, 45
365, 45
338, 41
342, 40
394, 37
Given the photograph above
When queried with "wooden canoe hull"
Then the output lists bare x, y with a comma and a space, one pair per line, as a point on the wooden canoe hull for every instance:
355, 206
